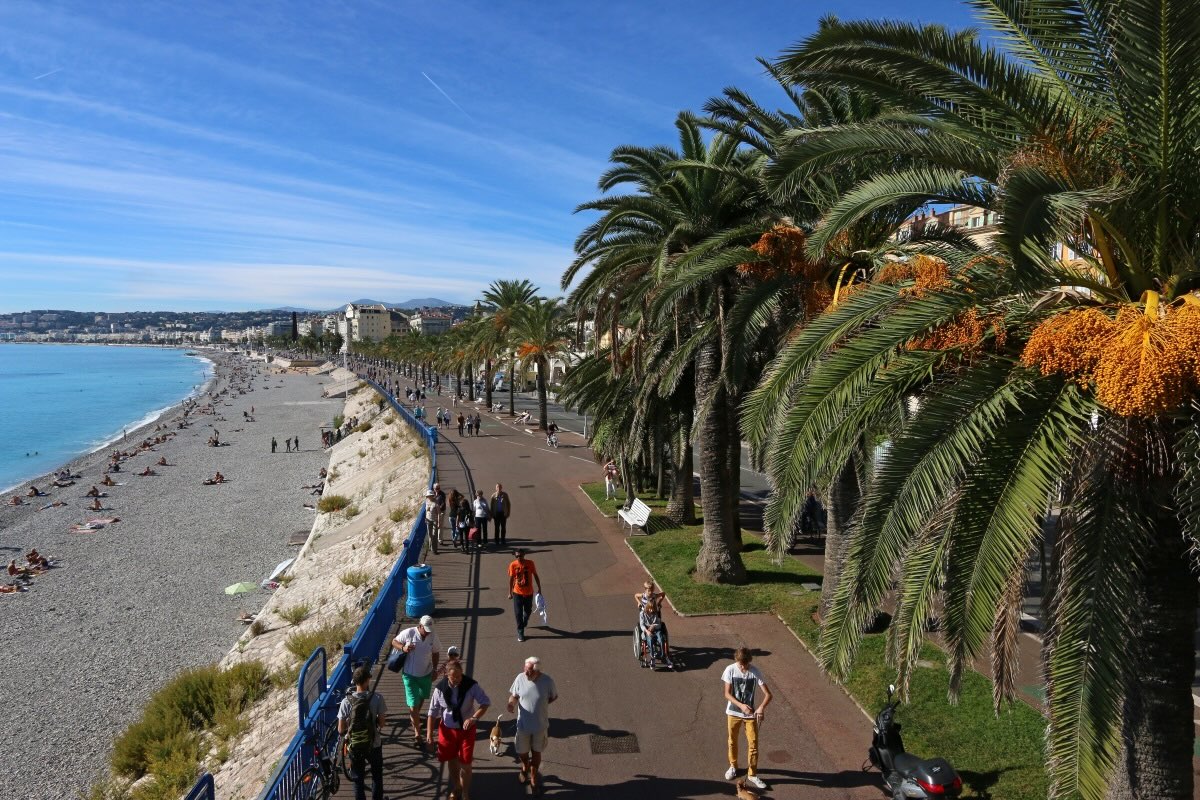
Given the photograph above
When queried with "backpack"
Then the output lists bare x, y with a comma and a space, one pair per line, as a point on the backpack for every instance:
361, 733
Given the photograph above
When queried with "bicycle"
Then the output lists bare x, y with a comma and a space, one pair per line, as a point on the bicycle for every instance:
322, 778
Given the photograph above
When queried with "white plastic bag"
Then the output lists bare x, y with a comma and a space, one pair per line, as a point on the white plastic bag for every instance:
539, 605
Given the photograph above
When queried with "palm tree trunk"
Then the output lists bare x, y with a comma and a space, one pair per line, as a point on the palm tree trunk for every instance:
543, 418
681, 508
458, 381
512, 388
733, 488
843, 500
717, 561
660, 469
487, 384
1157, 730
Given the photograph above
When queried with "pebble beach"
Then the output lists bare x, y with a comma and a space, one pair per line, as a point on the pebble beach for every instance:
131, 604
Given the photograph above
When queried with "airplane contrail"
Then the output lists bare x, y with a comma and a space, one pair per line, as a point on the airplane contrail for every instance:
47, 74
448, 97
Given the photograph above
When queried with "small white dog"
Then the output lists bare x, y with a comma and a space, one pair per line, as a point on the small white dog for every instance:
496, 740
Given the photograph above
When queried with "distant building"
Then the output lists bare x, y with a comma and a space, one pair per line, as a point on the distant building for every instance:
277, 328
430, 323
977, 223
400, 322
366, 323
314, 326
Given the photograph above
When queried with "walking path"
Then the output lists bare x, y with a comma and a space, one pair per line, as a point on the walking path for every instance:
617, 730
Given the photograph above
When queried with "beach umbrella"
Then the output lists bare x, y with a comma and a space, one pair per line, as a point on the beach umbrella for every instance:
239, 588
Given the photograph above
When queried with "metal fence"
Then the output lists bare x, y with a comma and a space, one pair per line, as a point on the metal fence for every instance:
317, 727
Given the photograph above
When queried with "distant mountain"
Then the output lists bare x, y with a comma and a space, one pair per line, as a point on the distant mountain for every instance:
288, 309
418, 302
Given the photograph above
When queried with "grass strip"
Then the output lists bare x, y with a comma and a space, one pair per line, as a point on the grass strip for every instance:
997, 756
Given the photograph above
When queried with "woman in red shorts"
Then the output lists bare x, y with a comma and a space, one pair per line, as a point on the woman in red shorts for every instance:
457, 705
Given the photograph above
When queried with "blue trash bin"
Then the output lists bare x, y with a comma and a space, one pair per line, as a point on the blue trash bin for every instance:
419, 591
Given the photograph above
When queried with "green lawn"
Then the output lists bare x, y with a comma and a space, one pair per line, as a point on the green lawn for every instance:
998, 757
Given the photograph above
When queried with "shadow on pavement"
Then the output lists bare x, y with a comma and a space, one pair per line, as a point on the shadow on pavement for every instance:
578, 634
650, 787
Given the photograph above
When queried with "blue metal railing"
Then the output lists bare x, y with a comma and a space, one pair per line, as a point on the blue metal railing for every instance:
286, 782
204, 789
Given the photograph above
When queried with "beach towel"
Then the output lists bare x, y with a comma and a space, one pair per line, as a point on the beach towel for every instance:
539, 605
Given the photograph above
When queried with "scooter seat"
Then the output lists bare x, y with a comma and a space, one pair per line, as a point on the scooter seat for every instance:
906, 763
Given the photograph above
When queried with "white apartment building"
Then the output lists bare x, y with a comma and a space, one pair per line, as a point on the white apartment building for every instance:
365, 323
430, 322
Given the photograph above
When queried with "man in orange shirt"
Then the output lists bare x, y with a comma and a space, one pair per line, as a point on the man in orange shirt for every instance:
522, 575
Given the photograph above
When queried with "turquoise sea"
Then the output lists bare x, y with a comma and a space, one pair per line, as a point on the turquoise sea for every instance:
60, 401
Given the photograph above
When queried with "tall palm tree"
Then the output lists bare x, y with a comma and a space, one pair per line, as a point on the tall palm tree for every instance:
683, 230
505, 298
540, 331
1040, 379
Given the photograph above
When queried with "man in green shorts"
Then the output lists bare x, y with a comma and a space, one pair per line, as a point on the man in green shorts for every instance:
422, 649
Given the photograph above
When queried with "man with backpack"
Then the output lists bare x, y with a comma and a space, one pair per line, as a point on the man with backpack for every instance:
361, 718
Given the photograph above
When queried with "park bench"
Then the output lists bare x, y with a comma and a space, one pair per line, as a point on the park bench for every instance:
636, 516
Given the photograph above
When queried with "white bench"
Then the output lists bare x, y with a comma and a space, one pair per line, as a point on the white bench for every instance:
636, 516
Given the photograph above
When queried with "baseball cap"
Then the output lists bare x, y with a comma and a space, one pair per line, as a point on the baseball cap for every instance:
429, 492
426, 622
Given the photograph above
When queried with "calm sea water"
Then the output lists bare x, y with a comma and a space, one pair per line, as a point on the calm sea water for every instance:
58, 402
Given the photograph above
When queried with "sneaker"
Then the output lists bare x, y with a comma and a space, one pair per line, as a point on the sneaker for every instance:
731, 773
756, 782
520, 637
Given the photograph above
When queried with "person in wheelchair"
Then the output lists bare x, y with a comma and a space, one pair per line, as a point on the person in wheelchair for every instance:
654, 632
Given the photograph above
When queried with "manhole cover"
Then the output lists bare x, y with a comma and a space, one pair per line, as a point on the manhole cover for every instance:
524, 456
605, 745
527, 486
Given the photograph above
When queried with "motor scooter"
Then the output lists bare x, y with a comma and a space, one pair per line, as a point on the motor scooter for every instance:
905, 775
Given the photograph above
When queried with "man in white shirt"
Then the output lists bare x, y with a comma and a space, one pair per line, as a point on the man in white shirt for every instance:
746, 696
529, 698
422, 648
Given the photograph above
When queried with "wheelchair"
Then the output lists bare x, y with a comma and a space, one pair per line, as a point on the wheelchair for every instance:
648, 650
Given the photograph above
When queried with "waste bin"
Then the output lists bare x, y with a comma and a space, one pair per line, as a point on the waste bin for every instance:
419, 591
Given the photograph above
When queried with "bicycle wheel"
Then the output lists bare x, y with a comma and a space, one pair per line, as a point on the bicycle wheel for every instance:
313, 782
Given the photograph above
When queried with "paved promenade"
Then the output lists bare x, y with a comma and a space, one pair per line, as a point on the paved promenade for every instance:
813, 740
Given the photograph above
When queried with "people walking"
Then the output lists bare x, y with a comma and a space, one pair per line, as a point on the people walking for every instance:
432, 518
288, 442
529, 698
522, 575
461, 423
439, 498
296, 440
480, 508
501, 507
746, 696
274, 444
422, 648
367, 704
457, 705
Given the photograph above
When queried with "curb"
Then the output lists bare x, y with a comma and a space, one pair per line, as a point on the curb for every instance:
840, 686
606, 516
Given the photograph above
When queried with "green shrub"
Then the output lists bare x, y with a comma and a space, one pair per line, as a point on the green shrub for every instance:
351, 512
387, 544
295, 614
338, 421
332, 502
364, 427
389, 420
166, 740
257, 628
333, 475
331, 635
398, 514
355, 577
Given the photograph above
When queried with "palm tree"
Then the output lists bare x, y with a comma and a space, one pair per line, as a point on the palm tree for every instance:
540, 331
1040, 379
506, 298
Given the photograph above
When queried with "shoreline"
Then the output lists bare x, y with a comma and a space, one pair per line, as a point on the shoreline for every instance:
135, 427
133, 603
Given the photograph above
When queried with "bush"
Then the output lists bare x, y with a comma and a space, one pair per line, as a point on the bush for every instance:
387, 544
364, 427
338, 421
166, 741
331, 635
398, 514
257, 628
355, 577
332, 502
383, 438
351, 512
295, 614
389, 420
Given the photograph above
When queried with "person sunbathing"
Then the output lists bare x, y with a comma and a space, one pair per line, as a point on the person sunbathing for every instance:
62, 484
147, 472
16, 500
17, 572
162, 462
55, 504
94, 491
96, 506
107, 481
9, 588
219, 478
33, 492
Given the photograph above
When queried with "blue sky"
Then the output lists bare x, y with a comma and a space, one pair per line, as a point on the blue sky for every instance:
233, 155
